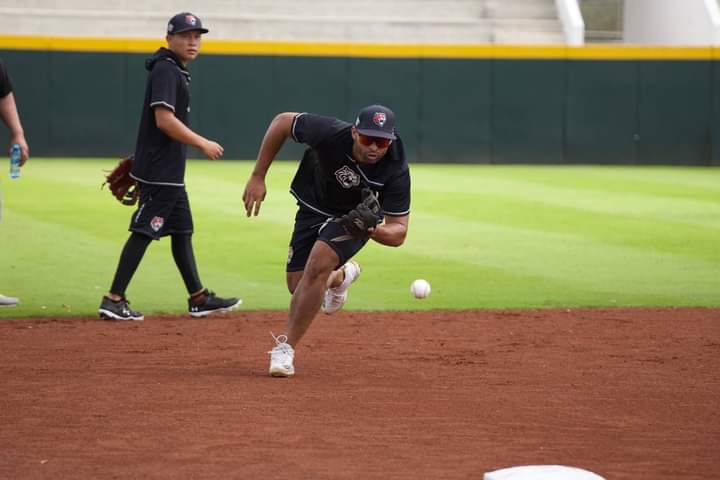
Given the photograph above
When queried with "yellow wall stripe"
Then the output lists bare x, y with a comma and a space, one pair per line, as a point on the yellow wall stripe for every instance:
635, 52
366, 50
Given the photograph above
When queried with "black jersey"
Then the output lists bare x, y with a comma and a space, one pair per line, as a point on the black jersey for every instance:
329, 180
5, 84
159, 159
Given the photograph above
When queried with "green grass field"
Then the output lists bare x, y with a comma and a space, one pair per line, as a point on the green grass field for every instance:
484, 236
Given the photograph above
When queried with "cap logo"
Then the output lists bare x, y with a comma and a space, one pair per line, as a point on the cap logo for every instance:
190, 20
171, 27
379, 119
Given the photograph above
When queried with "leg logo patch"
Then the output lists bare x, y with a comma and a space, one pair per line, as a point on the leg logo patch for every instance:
156, 223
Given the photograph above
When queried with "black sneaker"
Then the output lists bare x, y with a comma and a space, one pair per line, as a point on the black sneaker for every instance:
117, 310
212, 304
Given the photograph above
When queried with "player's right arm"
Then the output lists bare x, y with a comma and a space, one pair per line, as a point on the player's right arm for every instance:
392, 232
279, 130
11, 118
164, 88
166, 121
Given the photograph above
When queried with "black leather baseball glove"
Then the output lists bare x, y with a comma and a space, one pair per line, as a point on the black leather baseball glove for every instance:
367, 215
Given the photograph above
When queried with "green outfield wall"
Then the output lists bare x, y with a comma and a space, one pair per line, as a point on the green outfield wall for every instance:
487, 104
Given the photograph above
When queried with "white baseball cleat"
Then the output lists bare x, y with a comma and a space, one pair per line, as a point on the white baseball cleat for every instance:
8, 301
336, 297
281, 358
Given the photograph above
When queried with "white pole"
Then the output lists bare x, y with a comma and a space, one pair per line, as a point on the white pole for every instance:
572, 21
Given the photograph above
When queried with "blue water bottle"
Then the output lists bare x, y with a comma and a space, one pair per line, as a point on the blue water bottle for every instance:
15, 154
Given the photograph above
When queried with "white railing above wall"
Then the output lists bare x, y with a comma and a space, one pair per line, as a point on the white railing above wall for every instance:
572, 21
714, 14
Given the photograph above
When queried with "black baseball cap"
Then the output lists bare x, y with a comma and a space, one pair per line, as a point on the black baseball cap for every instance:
183, 22
376, 121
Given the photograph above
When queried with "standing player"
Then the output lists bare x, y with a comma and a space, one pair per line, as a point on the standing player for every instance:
159, 169
349, 178
11, 118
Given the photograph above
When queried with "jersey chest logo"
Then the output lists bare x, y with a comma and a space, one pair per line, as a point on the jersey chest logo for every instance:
347, 177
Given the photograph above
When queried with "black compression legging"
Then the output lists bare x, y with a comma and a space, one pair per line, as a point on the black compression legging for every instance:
182, 251
129, 260
134, 251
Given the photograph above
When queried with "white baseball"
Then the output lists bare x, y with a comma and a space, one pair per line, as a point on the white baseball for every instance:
420, 288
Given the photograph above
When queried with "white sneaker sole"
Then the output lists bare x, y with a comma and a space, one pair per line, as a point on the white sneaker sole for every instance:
8, 301
108, 315
281, 372
219, 310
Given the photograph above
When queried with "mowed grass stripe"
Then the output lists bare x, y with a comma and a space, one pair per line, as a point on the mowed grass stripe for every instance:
570, 259
622, 230
485, 236
493, 287
81, 227
693, 181
69, 275
659, 179
594, 199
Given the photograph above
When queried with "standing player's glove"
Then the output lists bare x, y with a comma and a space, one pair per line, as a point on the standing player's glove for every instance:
367, 215
121, 185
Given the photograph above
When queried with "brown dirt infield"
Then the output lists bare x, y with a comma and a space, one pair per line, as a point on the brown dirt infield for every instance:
626, 393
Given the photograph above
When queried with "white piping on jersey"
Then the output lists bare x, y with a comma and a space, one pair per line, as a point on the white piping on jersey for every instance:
171, 107
156, 183
392, 214
377, 184
315, 209
324, 224
397, 214
292, 128
185, 72
139, 212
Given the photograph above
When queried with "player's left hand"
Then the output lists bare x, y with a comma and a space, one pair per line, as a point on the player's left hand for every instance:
121, 184
254, 195
212, 150
362, 220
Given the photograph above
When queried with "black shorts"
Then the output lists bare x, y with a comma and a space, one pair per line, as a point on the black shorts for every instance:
311, 227
162, 211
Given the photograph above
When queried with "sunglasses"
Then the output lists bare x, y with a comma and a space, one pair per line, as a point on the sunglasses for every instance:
368, 140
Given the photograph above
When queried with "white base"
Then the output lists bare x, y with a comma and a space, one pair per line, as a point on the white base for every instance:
541, 472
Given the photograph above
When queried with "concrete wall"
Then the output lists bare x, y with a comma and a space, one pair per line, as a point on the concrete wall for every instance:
375, 21
672, 22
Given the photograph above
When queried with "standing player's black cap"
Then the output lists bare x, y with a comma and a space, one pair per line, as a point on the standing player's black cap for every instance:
376, 121
183, 22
